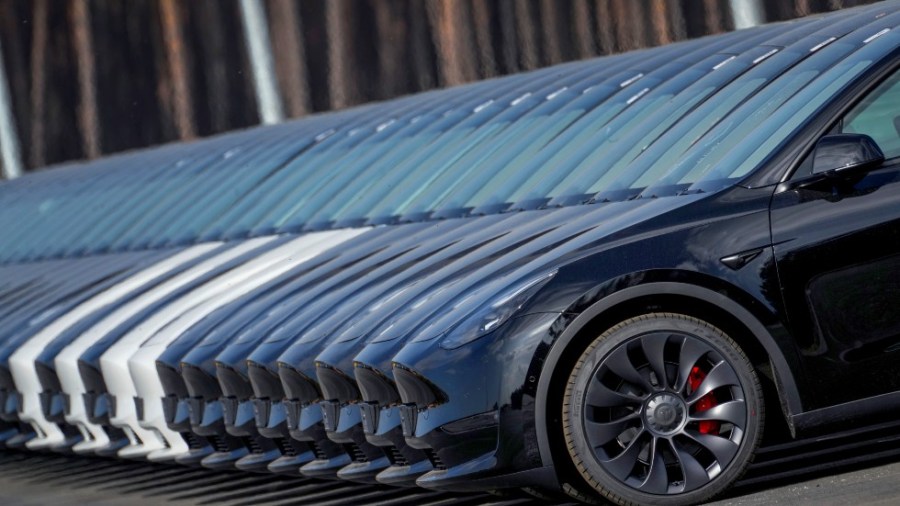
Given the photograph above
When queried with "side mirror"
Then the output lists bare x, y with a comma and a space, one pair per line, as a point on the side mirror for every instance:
841, 153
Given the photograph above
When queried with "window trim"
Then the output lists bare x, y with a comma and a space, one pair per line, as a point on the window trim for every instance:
785, 163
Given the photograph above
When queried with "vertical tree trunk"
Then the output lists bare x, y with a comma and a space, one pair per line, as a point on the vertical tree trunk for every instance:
713, 16
509, 46
482, 13
421, 47
677, 22
290, 56
625, 24
391, 27
606, 35
38, 82
179, 70
453, 41
84, 55
659, 20
215, 65
341, 75
581, 25
527, 34
802, 8
551, 31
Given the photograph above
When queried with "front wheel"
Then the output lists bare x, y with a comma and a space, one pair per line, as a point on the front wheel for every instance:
662, 409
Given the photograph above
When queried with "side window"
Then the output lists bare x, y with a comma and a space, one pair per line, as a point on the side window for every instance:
878, 116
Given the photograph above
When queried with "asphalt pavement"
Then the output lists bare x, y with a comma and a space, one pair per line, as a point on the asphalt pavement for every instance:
877, 485
860, 466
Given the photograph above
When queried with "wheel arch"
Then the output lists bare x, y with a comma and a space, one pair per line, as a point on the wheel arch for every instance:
673, 296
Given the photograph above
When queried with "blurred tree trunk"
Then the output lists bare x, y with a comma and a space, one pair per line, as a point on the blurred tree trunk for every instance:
677, 22
622, 26
801, 8
551, 31
38, 82
421, 47
606, 32
341, 75
84, 55
179, 71
581, 25
391, 27
509, 43
660, 22
290, 56
215, 64
527, 35
453, 39
481, 11
714, 16
636, 23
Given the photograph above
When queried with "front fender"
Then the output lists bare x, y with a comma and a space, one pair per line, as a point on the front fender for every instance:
635, 286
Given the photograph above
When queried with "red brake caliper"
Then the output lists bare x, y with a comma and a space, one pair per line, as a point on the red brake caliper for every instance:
706, 402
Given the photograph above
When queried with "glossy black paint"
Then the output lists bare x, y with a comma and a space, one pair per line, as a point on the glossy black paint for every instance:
491, 383
837, 246
357, 264
407, 246
479, 241
367, 358
826, 240
840, 154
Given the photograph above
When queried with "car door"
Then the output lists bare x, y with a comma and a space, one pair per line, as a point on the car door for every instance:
837, 247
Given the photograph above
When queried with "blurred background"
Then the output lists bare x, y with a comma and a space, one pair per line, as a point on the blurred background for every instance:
84, 78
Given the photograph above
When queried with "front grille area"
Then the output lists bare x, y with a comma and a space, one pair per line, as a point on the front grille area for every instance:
139, 407
336, 384
434, 459
252, 444
193, 442
219, 444
286, 447
356, 454
114, 433
375, 386
298, 386
394, 455
317, 451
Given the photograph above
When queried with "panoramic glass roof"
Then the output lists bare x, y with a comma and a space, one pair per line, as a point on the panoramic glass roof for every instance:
697, 115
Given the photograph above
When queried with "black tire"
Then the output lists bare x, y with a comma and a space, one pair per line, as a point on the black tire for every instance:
662, 409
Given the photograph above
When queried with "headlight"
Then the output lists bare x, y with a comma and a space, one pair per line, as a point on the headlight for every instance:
492, 315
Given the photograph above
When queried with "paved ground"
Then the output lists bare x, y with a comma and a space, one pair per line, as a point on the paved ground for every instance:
879, 485
859, 466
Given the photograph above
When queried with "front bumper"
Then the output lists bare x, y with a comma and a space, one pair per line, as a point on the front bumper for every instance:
472, 408
148, 397
123, 412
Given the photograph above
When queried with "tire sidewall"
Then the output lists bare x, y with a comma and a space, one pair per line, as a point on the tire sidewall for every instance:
585, 369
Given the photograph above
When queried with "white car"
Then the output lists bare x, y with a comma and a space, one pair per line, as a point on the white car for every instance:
21, 362
179, 316
67, 360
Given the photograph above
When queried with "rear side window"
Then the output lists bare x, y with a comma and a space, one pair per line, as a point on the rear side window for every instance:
878, 116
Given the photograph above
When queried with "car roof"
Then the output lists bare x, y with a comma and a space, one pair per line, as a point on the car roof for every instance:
693, 116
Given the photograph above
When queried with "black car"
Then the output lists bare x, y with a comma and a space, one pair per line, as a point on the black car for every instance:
742, 275
611, 278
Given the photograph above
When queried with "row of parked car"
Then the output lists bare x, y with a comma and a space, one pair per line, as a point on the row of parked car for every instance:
595, 278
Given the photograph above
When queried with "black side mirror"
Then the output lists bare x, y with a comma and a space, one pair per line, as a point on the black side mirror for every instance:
844, 153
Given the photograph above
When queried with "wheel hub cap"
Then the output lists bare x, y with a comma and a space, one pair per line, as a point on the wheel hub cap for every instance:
664, 413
